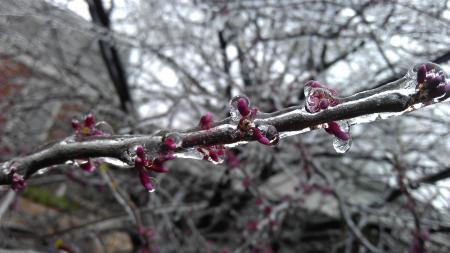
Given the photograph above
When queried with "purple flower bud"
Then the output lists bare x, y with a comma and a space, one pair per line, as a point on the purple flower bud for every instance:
170, 144
18, 183
324, 104
312, 104
89, 120
87, 165
76, 124
434, 81
140, 152
213, 156
139, 162
145, 180
158, 167
335, 129
242, 107
206, 121
421, 73
259, 136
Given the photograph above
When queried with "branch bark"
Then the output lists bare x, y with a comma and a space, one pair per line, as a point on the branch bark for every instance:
223, 132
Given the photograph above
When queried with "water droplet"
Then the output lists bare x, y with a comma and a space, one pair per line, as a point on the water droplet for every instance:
155, 184
342, 146
43, 171
105, 127
234, 112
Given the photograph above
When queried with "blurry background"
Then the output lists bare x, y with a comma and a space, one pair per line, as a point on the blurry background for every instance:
146, 65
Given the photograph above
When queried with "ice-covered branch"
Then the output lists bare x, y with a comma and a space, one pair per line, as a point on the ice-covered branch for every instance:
423, 85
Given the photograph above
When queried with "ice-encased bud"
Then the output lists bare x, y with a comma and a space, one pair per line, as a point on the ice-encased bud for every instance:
266, 134
173, 140
104, 127
340, 144
319, 99
235, 104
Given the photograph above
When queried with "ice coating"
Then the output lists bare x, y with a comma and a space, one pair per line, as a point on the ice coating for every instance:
234, 106
342, 145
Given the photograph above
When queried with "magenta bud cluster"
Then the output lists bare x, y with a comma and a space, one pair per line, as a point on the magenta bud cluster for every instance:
145, 166
431, 83
18, 183
215, 152
320, 97
246, 123
206, 121
87, 128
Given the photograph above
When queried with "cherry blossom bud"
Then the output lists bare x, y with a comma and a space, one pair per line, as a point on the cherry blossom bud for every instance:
89, 120
242, 106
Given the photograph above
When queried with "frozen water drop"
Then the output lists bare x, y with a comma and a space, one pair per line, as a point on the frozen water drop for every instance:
234, 112
271, 133
104, 127
341, 146
154, 183
43, 171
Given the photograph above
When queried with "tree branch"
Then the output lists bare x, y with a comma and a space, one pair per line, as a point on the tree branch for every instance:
224, 132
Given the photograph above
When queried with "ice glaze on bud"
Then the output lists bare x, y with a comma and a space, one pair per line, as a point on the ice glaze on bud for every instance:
140, 152
242, 107
259, 136
421, 73
335, 129
169, 143
206, 121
